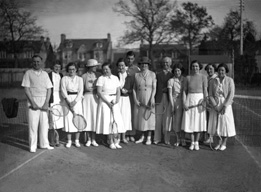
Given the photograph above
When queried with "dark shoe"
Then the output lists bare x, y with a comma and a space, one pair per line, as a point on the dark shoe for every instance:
57, 145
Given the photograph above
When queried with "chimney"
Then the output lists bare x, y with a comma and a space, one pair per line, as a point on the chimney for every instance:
108, 36
63, 37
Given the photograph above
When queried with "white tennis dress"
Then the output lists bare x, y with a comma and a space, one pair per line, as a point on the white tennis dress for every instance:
104, 115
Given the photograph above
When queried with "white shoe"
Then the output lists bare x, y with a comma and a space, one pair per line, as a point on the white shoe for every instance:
77, 143
32, 150
140, 140
69, 144
222, 148
117, 146
49, 147
217, 147
94, 143
88, 144
192, 146
112, 146
132, 139
148, 142
196, 146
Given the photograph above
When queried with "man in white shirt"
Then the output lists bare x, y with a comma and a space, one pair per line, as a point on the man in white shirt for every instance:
37, 87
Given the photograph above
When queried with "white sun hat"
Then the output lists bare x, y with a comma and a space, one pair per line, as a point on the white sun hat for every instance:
92, 63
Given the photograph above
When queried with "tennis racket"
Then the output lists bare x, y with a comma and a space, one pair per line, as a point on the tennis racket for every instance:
57, 110
151, 110
113, 126
213, 103
78, 121
204, 103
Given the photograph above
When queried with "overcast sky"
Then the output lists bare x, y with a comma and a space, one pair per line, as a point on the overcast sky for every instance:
95, 18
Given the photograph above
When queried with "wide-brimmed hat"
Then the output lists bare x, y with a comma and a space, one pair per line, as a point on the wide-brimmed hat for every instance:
92, 63
144, 60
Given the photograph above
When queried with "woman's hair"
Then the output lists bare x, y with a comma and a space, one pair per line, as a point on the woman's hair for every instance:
196, 61
223, 65
107, 64
211, 65
57, 62
178, 66
71, 64
120, 60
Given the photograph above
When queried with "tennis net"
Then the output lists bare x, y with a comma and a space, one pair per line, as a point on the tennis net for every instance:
247, 115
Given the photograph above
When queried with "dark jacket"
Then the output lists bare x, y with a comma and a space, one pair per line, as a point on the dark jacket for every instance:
51, 78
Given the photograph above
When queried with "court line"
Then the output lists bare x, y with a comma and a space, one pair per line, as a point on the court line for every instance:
250, 153
20, 166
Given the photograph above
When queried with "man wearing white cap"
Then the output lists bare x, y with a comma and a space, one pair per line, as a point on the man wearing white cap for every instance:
90, 101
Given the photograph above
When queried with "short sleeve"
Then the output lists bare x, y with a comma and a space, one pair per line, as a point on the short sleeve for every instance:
100, 81
26, 80
170, 83
48, 81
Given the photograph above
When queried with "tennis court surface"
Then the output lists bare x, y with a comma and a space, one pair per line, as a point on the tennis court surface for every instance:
136, 167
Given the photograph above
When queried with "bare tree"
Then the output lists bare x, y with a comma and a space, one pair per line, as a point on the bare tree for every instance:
17, 24
149, 22
189, 22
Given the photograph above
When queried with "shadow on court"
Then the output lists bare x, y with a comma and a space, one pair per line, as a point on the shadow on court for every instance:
136, 167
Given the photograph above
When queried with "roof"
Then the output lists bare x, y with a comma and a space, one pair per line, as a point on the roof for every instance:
89, 44
164, 46
22, 45
211, 58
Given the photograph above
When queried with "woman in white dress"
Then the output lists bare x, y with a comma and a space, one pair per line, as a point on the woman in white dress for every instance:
194, 119
55, 123
124, 102
108, 89
211, 69
175, 90
223, 87
72, 92
90, 101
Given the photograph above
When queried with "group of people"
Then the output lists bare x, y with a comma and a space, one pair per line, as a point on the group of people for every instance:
124, 96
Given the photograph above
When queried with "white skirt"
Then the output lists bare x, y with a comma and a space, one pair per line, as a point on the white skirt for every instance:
90, 105
54, 121
194, 120
68, 124
225, 123
125, 109
104, 117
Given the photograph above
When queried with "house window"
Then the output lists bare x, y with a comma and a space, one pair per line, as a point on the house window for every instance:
2, 54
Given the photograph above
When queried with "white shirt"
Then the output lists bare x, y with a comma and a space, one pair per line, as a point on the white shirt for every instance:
73, 85
122, 78
56, 81
109, 84
37, 81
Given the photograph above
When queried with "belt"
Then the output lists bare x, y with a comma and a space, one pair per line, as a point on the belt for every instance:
72, 93
112, 94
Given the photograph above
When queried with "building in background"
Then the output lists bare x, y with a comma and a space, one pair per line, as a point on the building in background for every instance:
177, 52
80, 50
25, 50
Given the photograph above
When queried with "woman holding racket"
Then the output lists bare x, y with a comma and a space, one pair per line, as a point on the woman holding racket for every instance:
90, 101
109, 120
125, 106
223, 88
195, 90
175, 90
143, 93
72, 92
55, 123
211, 69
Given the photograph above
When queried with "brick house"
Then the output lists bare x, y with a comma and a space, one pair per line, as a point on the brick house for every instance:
80, 50
25, 50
